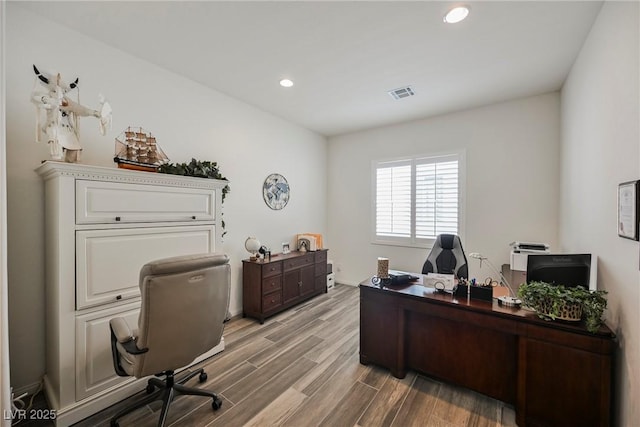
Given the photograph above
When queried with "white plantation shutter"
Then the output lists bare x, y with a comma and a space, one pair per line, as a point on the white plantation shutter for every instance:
436, 198
417, 199
393, 200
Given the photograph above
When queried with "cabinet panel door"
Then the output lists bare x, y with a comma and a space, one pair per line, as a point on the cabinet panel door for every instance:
307, 279
94, 364
379, 329
108, 262
291, 286
104, 202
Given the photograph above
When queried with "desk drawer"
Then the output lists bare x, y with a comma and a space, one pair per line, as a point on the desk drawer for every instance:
112, 202
298, 262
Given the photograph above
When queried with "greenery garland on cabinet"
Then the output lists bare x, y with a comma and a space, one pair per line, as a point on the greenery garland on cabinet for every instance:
198, 169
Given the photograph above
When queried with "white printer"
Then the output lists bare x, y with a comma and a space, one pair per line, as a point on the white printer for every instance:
521, 250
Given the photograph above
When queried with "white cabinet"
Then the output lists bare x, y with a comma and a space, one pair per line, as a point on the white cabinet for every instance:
94, 370
108, 202
107, 273
102, 225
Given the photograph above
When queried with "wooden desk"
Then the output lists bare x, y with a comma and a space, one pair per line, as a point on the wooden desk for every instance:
554, 373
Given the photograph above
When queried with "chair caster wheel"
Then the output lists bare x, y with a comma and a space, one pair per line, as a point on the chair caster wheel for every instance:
202, 377
150, 389
216, 404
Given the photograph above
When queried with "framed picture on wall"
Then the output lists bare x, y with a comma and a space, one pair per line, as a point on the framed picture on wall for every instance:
628, 204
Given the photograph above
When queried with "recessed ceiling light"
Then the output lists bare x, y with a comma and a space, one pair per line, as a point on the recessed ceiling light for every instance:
456, 14
286, 83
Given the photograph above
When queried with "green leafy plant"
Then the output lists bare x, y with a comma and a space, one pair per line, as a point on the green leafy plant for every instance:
552, 302
198, 169
593, 309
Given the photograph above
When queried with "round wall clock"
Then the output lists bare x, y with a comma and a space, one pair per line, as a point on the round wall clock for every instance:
275, 191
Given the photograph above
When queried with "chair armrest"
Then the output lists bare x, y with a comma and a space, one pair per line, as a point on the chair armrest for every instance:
122, 334
121, 329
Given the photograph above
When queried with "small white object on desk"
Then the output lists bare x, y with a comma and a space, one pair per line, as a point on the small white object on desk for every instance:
509, 301
442, 282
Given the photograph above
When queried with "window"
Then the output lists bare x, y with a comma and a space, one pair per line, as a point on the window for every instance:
416, 199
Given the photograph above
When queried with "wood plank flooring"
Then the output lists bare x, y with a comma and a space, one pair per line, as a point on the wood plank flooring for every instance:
301, 368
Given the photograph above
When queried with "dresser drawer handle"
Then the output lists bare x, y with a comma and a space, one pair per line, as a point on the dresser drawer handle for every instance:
117, 218
273, 300
193, 217
118, 297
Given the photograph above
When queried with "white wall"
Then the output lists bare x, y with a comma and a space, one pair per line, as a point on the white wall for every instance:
511, 182
5, 393
600, 149
188, 119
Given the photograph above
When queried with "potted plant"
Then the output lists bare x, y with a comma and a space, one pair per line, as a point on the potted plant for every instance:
553, 302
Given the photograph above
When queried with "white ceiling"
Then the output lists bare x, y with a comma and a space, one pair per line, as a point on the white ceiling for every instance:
345, 56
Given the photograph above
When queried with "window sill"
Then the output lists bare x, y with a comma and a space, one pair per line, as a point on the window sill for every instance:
424, 245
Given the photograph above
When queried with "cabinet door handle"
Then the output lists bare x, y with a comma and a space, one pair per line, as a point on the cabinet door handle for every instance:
300, 283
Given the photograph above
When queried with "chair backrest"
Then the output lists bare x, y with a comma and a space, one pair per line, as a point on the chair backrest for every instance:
447, 257
184, 304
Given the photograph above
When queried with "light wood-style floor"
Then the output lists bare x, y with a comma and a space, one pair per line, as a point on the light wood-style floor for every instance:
301, 368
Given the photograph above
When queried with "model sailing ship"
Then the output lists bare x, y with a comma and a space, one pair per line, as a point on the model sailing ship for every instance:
137, 149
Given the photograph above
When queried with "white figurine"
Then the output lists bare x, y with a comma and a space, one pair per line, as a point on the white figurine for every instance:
61, 128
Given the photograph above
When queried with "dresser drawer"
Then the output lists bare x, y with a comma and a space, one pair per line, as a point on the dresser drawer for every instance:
108, 262
298, 262
321, 269
271, 301
271, 269
113, 202
321, 257
271, 284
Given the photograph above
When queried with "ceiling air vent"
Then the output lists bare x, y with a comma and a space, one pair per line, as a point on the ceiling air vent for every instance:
403, 92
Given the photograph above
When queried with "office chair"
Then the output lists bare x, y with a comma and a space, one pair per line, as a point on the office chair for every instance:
447, 257
184, 305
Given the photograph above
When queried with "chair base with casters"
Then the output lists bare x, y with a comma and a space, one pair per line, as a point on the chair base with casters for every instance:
167, 391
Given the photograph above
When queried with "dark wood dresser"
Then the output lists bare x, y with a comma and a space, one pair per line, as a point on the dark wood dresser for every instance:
271, 286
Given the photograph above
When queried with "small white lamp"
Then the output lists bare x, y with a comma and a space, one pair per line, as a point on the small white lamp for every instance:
511, 301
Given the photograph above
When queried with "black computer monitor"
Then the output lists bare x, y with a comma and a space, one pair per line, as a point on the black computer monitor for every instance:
570, 270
